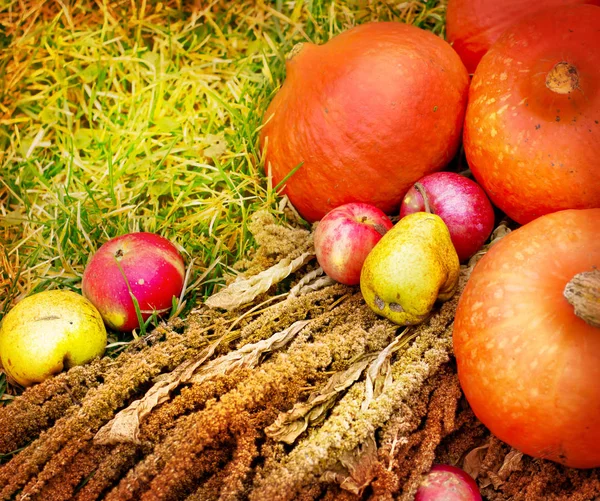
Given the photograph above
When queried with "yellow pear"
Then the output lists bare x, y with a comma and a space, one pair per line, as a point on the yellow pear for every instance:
413, 265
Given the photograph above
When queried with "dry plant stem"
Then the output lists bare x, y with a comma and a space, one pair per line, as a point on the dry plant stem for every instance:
96, 408
62, 486
440, 422
56, 465
293, 309
238, 469
275, 318
167, 420
191, 398
214, 487
278, 382
413, 446
108, 471
349, 425
583, 293
41, 405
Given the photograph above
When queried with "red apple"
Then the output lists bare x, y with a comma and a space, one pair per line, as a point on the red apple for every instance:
145, 264
461, 203
447, 483
345, 236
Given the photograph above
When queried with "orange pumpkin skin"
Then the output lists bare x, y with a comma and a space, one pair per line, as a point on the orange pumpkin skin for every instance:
472, 26
368, 113
529, 367
532, 149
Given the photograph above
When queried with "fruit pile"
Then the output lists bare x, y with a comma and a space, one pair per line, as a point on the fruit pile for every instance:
129, 281
380, 114
364, 138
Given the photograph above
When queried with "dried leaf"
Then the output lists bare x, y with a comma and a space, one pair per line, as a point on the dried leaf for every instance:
311, 282
249, 355
244, 290
318, 284
473, 460
290, 425
512, 462
333, 476
494, 479
125, 426
305, 280
13, 218
379, 375
216, 145
358, 468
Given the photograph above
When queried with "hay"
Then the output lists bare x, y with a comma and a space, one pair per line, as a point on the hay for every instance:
213, 434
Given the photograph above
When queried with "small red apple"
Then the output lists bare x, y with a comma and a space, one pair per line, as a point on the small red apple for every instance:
345, 236
461, 203
146, 264
447, 483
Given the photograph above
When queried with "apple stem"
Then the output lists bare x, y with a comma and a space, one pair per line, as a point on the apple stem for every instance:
421, 189
583, 293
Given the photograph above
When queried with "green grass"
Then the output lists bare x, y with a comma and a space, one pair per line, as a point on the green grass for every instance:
124, 116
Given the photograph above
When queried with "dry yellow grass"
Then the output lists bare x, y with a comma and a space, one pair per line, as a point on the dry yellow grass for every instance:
124, 116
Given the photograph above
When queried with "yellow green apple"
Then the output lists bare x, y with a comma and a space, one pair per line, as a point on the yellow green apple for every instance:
48, 332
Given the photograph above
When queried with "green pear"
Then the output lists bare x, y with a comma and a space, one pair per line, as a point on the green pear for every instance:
413, 265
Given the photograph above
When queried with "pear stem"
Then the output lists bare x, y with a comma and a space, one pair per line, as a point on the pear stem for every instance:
583, 293
421, 189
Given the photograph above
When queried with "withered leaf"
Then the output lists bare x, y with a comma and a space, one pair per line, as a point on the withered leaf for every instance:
319, 283
473, 460
216, 145
125, 426
306, 279
291, 424
356, 470
244, 290
512, 462
310, 282
249, 355
379, 374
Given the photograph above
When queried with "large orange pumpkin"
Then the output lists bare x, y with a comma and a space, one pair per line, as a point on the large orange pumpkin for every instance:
528, 364
367, 114
472, 26
532, 129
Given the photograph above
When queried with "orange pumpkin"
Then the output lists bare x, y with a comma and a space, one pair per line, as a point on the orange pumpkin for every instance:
472, 26
367, 114
532, 130
528, 364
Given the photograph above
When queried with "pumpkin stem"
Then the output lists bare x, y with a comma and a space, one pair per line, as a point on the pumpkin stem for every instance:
421, 189
583, 293
563, 78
